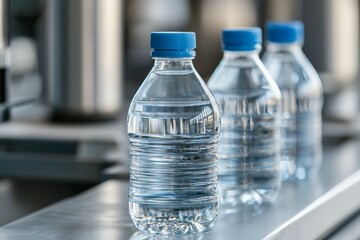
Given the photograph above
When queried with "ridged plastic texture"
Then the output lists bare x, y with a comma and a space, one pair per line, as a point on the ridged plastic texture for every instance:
173, 44
241, 39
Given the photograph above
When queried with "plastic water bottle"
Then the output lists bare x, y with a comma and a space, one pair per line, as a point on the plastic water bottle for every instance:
301, 91
249, 102
173, 128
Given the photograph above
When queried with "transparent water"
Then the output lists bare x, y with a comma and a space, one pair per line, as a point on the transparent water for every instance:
300, 86
288, 132
249, 143
308, 146
173, 168
301, 150
249, 147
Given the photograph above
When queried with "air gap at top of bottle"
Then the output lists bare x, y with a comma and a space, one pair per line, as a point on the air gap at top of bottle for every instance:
249, 102
301, 91
173, 127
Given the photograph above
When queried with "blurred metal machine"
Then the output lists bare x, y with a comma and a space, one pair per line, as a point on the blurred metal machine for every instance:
82, 65
4, 59
333, 47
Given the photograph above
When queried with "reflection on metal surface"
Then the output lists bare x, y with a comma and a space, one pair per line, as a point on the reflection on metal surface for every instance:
22, 197
145, 236
341, 197
350, 230
17, 236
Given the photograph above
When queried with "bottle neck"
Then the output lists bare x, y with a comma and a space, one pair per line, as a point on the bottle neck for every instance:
284, 47
241, 55
173, 64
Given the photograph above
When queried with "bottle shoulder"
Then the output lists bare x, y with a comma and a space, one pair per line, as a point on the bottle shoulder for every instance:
293, 71
172, 86
281, 66
239, 79
174, 89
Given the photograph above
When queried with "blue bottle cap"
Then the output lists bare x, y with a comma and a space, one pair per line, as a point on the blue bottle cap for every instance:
241, 39
173, 44
285, 32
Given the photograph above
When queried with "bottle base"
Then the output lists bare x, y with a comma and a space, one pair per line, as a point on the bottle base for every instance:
232, 198
172, 221
301, 164
301, 173
298, 170
288, 166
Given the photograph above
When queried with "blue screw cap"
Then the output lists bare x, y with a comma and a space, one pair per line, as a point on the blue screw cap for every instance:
242, 39
173, 44
285, 32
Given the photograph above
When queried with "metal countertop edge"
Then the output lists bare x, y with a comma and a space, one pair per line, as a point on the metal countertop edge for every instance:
324, 214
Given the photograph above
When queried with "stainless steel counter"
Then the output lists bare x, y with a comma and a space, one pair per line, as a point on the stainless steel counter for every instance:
21, 197
305, 210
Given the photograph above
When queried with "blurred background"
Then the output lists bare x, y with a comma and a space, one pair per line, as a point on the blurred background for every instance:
76, 64
48, 34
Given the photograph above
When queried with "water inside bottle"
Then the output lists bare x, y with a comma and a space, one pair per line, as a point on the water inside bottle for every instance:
173, 172
249, 148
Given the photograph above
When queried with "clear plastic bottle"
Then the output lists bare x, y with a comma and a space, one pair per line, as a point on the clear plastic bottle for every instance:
173, 128
301, 91
249, 102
